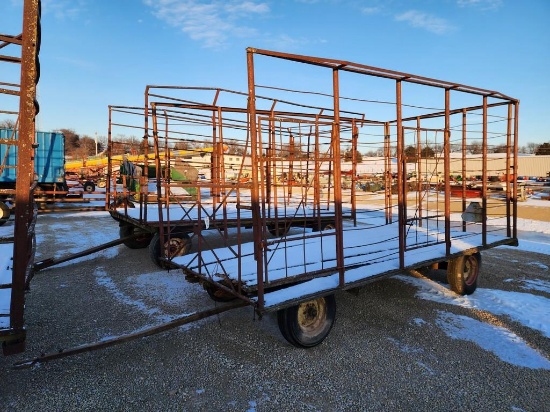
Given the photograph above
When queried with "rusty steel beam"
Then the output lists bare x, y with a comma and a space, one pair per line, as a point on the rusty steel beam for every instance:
24, 209
7, 39
182, 320
510, 197
463, 165
379, 72
516, 144
484, 175
419, 168
447, 171
454, 111
337, 178
401, 201
257, 227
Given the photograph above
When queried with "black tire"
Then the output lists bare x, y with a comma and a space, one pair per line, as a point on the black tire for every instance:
306, 325
217, 294
141, 241
324, 226
463, 272
280, 231
89, 187
178, 243
4, 213
121, 202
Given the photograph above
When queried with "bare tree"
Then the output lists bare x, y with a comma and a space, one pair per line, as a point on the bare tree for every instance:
531, 147
543, 149
7, 124
475, 147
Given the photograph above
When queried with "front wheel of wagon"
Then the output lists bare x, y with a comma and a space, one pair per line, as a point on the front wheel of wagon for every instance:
141, 239
4, 213
463, 272
309, 323
178, 243
218, 294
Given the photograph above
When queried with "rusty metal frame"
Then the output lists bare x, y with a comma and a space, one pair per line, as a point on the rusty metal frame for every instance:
337, 66
13, 340
164, 111
261, 128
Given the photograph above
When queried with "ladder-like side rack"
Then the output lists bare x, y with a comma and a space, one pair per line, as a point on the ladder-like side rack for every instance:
20, 64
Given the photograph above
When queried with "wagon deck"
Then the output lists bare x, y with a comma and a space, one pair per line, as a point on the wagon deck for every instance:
369, 253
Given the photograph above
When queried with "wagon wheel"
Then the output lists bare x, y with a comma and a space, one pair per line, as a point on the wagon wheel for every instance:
324, 226
217, 294
278, 231
142, 239
463, 272
177, 244
309, 323
4, 213
89, 187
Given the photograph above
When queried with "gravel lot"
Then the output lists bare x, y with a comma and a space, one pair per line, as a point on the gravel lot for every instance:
385, 352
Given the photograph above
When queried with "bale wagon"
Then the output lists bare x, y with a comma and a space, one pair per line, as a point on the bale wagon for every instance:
289, 233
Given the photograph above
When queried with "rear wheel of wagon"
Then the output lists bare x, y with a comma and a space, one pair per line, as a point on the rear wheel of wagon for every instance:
278, 231
324, 226
178, 243
309, 323
89, 187
463, 272
218, 294
4, 213
142, 239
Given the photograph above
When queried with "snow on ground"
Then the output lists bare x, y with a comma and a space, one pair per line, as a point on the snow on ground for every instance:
532, 311
529, 309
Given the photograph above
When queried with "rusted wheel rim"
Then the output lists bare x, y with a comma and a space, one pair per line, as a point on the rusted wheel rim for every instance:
471, 270
312, 315
176, 247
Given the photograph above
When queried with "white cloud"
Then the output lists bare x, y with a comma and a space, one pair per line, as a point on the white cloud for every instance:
370, 10
425, 21
212, 22
482, 4
64, 9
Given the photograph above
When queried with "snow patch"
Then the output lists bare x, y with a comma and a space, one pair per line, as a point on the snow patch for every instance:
509, 347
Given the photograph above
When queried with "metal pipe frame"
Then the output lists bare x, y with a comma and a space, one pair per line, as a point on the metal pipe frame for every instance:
13, 340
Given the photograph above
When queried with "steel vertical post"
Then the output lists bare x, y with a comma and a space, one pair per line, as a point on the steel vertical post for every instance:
24, 203
400, 189
516, 143
447, 171
387, 175
507, 174
464, 141
255, 195
337, 177
419, 172
484, 175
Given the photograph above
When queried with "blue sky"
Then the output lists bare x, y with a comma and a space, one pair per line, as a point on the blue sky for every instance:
95, 53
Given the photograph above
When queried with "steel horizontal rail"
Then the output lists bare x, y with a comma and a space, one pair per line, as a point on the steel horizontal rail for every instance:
379, 72
267, 113
271, 99
182, 320
10, 59
455, 111
7, 39
11, 92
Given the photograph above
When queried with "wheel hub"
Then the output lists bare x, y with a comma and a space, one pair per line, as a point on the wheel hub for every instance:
175, 247
311, 314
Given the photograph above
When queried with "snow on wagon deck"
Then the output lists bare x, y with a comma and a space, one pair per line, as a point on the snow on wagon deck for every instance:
6, 267
368, 253
222, 212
